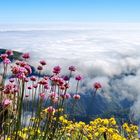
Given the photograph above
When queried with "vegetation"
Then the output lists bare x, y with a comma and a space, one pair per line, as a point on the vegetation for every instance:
35, 107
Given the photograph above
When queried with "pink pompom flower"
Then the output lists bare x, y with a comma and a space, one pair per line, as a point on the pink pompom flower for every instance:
9, 52
43, 62
26, 56
72, 68
76, 96
78, 78
6, 102
97, 85
56, 69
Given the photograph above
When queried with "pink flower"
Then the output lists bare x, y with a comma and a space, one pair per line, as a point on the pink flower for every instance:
35, 85
15, 90
97, 85
76, 97
56, 69
21, 76
65, 96
9, 52
26, 79
15, 70
66, 78
22, 70
3, 56
8, 88
72, 68
6, 102
43, 82
46, 77
26, 56
6, 61
22, 63
28, 68
66, 85
42, 95
60, 81
33, 78
46, 86
43, 62
50, 110
53, 95
78, 77
40, 68
62, 87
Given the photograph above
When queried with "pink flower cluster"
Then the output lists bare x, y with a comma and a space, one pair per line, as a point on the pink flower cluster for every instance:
10, 88
21, 70
5, 58
97, 85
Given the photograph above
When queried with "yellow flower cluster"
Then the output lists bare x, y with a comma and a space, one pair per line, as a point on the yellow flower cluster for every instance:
131, 131
98, 129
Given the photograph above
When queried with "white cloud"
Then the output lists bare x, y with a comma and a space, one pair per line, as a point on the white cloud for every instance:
109, 54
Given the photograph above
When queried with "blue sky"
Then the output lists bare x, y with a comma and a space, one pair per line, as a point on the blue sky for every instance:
42, 11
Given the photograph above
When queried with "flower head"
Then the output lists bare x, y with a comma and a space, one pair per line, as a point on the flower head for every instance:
6, 102
43, 62
66, 78
97, 85
26, 79
56, 69
6, 61
50, 110
33, 78
26, 56
76, 96
35, 85
3, 56
65, 96
9, 52
15, 70
40, 68
28, 68
72, 68
78, 77
42, 95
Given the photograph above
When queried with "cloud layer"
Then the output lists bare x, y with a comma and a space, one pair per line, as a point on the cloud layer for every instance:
107, 54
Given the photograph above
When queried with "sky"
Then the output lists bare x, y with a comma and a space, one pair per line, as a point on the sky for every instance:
43, 11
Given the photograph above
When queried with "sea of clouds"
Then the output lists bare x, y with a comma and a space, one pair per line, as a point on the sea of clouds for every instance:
108, 53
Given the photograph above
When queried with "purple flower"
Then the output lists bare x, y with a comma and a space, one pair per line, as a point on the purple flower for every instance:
26, 56
56, 69
78, 77
72, 68
40, 68
9, 52
43, 62
33, 78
